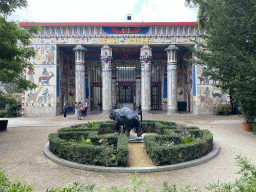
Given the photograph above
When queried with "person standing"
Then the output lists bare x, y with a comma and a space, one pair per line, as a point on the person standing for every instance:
79, 111
76, 108
85, 107
65, 109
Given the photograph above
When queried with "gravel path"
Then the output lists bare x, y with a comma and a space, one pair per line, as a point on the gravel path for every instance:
21, 154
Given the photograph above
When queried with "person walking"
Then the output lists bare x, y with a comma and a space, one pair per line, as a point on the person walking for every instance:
65, 109
79, 111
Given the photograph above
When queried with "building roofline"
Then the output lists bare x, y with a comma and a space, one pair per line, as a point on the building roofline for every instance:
107, 24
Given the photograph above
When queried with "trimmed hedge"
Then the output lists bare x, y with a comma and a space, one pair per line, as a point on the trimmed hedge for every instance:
159, 127
147, 126
96, 154
172, 154
76, 135
107, 150
197, 133
172, 145
107, 127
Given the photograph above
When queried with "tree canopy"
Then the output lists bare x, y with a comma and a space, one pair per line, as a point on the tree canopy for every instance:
9, 6
229, 51
14, 48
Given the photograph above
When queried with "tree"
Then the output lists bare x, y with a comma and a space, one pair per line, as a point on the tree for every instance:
230, 48
14, 49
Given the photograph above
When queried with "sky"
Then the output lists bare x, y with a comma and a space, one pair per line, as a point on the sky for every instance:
105, 11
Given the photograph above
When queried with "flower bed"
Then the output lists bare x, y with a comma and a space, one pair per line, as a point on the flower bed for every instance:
87, 144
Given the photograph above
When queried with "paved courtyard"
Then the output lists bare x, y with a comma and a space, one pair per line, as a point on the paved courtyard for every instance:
21, 153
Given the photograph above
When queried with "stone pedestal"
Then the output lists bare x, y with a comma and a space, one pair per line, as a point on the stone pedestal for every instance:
135, 139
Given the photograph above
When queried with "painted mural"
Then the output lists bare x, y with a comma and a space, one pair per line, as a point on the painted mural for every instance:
41, 100
208, 95
44, 95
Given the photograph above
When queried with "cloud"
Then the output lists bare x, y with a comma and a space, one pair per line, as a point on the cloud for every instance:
105, 11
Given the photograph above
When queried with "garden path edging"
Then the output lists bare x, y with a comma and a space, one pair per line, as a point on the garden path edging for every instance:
195, 162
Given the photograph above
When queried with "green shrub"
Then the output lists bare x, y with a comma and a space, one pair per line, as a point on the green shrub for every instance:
14, 109
101, 150
122, 151
6, 185
147, 126
160, 127
189, 127
245, 183
11, 110
188, 139
172, 154
173, 145
222, 109
106, 127
68, 129
3, 113
74, 135
254, 128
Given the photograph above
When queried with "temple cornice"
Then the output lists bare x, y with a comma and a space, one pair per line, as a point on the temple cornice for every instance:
116, 30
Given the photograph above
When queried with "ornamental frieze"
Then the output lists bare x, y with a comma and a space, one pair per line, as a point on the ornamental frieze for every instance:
101, 32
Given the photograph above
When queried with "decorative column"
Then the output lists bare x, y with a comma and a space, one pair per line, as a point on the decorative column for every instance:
171, 79
106, 55
138, 86
113, 91
145, 58
80, 73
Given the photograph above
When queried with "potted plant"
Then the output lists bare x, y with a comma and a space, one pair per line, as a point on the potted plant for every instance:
248, 113
3, 125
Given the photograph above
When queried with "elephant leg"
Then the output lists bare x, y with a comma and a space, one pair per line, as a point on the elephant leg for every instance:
128, 133
117, 130
124, 130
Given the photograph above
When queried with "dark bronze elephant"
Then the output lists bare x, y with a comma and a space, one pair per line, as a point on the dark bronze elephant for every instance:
128, 119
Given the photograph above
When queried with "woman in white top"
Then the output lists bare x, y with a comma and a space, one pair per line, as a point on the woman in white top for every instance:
76, 109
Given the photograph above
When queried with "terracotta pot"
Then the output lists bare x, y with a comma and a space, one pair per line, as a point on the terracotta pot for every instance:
247, 127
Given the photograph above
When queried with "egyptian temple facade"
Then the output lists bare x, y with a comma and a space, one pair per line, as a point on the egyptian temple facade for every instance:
108, 64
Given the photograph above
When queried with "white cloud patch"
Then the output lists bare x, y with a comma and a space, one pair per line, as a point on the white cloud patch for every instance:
105, 11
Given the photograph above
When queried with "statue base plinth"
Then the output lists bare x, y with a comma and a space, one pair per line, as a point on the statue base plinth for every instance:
135, 139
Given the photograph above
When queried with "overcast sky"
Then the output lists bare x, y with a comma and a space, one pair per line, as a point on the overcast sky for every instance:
105, 11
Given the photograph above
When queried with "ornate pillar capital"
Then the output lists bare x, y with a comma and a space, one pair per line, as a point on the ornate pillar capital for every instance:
171, 54
79, 53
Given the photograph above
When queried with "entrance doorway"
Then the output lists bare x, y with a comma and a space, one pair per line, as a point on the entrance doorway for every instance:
125, 77
156, 97
96, 95
126, 94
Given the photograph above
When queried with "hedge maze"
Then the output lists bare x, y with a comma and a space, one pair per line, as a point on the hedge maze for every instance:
95, 144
